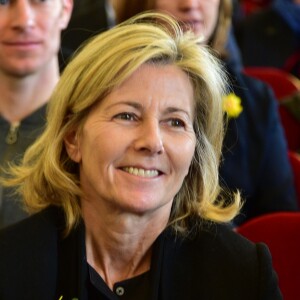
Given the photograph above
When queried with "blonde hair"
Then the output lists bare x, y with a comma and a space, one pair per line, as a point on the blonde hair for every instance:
219, 38
48, 176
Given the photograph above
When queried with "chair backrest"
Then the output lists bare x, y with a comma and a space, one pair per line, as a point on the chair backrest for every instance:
295, 163
292, 64
252, 6
283, 84
281, 232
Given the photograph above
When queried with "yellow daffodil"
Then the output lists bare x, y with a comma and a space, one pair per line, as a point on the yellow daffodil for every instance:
232, 105
61, 298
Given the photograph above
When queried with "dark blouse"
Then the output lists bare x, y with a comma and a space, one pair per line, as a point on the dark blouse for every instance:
133, 288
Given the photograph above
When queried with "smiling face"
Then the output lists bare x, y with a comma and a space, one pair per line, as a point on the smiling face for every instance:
137, 144
30, 33
199, 15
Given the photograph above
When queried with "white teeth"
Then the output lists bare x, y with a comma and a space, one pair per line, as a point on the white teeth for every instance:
141, 172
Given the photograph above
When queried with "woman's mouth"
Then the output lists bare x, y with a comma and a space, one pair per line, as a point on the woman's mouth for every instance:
141, 172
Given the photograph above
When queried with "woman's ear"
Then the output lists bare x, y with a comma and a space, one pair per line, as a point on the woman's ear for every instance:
71, 141
66, 13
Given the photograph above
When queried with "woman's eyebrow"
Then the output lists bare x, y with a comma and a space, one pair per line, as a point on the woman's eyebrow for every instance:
133, 104
177, 109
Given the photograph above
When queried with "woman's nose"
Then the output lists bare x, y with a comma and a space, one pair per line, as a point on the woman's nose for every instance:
150, 138
189, 4
23, 14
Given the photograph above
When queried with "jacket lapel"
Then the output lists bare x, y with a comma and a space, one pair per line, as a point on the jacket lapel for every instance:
72, 267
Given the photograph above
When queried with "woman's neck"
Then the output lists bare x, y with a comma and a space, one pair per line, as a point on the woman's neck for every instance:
119, 246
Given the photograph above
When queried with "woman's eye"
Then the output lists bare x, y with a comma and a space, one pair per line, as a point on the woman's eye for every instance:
125, 116
177, 123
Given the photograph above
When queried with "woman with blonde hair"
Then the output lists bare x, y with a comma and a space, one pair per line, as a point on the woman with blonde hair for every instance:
124, 180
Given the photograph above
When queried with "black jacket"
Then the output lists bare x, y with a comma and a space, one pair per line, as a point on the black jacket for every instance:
36, 263
255, 159
265, 39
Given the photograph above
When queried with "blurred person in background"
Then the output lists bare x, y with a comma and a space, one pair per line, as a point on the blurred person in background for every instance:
29, 70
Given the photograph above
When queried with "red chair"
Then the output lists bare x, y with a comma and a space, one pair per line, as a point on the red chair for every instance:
252, 6
295, 163
292, 64
281, 232
283, 84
